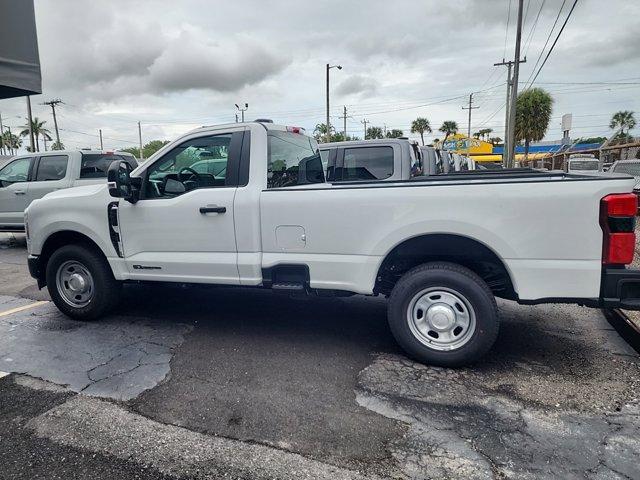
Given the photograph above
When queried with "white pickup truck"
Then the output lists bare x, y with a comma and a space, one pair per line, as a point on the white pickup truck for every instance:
441, 248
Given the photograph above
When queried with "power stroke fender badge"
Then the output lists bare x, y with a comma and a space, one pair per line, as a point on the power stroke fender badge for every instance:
146, 267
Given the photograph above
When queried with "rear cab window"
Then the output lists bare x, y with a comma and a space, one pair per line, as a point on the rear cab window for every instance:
52, 167
95, 165
292, 159
367, 163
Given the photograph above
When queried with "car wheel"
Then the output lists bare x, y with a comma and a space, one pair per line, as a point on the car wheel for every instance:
443, 314
80, 282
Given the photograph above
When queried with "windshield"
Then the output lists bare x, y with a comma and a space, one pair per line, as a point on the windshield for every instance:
631, 168
293, 159
583, 165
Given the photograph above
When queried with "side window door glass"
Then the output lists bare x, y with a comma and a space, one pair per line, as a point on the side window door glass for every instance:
15, 171
196, 163
367, 163
52, 167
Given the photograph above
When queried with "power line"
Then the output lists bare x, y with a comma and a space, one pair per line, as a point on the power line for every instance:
506, 32
533, 28
547, 40
554, 42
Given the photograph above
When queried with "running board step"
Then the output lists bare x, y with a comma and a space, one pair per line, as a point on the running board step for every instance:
288, 287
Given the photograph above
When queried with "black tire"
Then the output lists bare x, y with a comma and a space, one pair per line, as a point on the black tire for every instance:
469, 287
106, 291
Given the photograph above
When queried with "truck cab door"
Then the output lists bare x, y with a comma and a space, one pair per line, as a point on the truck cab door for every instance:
14, 178
50, 173
182, 227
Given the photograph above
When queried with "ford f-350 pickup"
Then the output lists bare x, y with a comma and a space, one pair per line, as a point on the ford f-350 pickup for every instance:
248, 205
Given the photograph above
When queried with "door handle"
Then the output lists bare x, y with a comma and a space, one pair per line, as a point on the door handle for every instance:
212, 209
20, 192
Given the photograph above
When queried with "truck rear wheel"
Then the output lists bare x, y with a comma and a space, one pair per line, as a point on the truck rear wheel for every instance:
443, 314
80, 282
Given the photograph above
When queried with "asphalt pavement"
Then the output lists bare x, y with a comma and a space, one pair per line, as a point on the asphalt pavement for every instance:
208, 382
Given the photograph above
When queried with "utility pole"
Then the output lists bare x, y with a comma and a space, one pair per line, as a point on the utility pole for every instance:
236, 118
505, 149
514, 89
364, 122
242, 110
2, 149
31, 139
470, 107
140, 141
101, 147
344, 125
53, 104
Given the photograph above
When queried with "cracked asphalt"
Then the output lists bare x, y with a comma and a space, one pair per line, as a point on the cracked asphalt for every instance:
229, 383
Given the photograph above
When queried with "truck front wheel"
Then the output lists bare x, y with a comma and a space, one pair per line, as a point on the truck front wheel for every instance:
443, 314
80, 282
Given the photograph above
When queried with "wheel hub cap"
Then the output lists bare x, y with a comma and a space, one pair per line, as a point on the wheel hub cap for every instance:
75, 283
441, 317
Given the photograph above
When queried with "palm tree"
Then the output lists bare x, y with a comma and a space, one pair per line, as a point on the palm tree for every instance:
10, 141
395, 133
421, 125
623, 119
533, 114
449, 127
495, 140
485, 132
38, 129
57, 146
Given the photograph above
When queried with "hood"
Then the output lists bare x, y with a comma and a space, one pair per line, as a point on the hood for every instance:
73, 192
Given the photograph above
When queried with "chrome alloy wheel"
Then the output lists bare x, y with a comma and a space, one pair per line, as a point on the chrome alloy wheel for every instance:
441, 318
75, 284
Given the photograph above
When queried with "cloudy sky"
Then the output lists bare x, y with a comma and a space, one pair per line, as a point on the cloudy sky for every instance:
175, 65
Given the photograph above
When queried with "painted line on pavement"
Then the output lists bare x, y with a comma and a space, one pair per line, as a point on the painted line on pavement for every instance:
22, 308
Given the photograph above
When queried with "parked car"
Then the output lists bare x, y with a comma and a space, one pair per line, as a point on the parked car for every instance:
26, 178
370, 160
627, 167
582, 164
440, 248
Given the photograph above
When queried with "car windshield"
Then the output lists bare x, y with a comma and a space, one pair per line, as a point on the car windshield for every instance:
583, 165
631, 168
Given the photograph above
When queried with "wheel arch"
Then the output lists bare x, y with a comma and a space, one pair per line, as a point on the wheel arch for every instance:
450, 247
59, 239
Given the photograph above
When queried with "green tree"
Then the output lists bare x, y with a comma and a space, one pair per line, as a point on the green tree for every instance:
448, 127
57, 146
38, 130
495, 141
421, 125
147, 150
395, 133
373, 133
624, 120
533, 114
320, 132
11, 141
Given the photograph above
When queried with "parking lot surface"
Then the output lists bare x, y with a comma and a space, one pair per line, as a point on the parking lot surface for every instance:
229, 383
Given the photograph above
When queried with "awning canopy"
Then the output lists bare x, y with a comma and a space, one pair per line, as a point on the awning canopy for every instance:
19, 59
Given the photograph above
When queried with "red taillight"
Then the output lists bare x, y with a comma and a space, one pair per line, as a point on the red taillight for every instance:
295, 130
621, 204
617, 219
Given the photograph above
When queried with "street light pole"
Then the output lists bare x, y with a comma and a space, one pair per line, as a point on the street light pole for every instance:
31, 139
242, 110
328, 124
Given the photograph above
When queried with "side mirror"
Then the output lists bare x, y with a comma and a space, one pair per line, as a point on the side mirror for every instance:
120, 182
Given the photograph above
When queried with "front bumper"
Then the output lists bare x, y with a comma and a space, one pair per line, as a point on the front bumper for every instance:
36, 270
620, 288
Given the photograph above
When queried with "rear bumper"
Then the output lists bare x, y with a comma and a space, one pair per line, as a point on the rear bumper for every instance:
620, 288
36, 270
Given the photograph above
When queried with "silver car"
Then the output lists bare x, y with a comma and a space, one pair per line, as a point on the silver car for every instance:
26, 178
